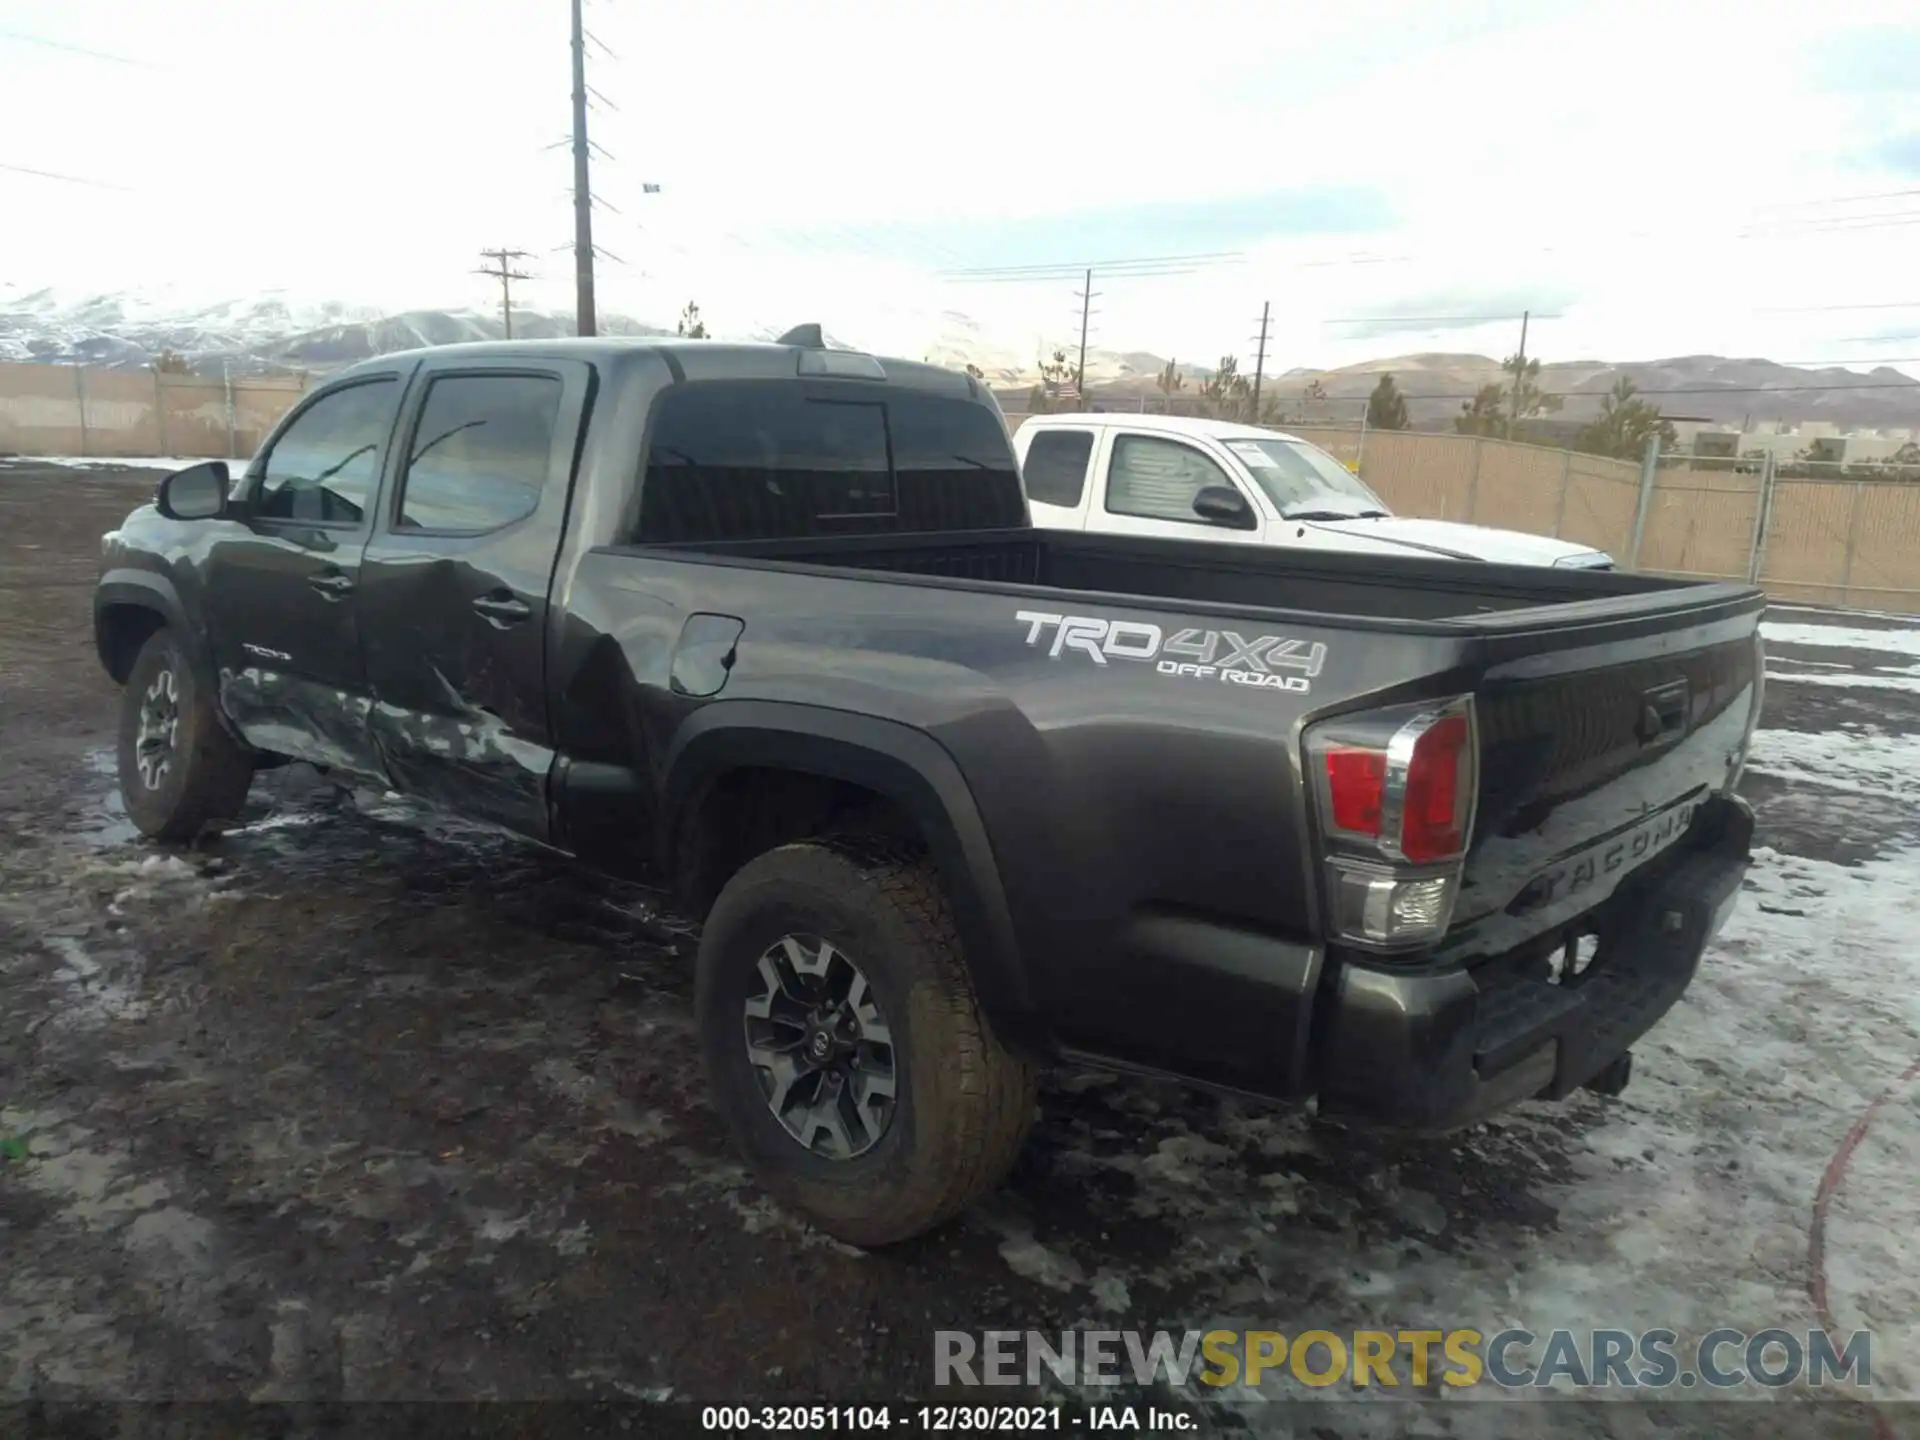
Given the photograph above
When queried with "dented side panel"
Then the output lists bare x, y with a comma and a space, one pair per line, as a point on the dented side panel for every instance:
454, 622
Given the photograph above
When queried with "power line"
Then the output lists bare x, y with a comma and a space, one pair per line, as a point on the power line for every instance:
1432, 319
1838, 200
503, 271
1155, 265
1823, 309
1069, 270
28, 39
64, 179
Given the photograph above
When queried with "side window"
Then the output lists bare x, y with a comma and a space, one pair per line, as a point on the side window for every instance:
1157, 479
481, 452
323, 467
752, 462
1056, 468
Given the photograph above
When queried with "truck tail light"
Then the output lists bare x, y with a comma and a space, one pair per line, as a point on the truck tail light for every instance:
1395, 791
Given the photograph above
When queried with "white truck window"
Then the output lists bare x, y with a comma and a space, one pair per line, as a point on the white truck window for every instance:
1056, 466
1157, 479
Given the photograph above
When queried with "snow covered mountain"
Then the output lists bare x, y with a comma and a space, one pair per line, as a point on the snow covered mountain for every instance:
266, 333
272, 333
276, 333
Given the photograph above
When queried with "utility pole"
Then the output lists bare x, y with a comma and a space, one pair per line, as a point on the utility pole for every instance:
582, 191
503, 271
1519, 375
1087, 297
1260, 359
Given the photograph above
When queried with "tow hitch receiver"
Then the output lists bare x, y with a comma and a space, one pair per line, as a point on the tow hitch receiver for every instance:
1613, 1079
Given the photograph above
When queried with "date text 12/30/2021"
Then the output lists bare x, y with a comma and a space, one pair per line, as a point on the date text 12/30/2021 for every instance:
940, 1419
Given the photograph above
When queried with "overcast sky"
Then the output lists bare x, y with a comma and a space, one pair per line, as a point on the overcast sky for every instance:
1659, 178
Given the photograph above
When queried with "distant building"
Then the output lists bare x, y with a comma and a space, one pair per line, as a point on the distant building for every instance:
1819, 441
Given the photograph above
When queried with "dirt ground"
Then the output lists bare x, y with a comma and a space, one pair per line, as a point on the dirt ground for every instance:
358, 1104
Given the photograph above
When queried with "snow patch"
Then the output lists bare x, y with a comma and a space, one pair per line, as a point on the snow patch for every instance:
1841, 637
1864, 764
164, 463
1900, 679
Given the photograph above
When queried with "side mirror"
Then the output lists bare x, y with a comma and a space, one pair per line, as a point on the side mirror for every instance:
1223, 505
198, 492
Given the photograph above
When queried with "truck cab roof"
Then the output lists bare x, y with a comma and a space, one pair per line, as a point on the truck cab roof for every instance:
698, 360
1164, 424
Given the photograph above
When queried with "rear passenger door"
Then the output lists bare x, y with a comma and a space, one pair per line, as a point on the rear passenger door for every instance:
453, 598
1150, 484
1055, 475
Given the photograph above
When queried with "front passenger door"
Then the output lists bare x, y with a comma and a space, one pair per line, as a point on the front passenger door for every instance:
1151, 484
280, 584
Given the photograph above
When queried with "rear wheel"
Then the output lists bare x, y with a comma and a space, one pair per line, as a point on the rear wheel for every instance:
844, 1045
180, 771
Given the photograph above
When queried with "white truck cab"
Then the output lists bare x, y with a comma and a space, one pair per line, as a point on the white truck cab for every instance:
1174, 476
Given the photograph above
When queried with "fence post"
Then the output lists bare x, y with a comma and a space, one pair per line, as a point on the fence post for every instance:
159, 411
1566, 484
1649, 469
80, 398
1853, 542
1763, 504
226, 380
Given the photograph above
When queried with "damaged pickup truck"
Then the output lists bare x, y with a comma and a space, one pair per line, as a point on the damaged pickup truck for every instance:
953, 796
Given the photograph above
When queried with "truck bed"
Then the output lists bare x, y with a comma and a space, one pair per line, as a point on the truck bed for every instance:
1367, 590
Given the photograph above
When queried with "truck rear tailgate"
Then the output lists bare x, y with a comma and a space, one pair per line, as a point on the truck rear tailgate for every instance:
1594, 759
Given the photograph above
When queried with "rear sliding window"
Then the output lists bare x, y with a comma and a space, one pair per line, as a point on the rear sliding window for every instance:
758, 461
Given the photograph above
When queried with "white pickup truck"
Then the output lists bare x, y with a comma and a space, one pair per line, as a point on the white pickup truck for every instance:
1172, 476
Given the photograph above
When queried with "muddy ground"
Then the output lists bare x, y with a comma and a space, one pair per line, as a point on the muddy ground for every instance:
356, 1104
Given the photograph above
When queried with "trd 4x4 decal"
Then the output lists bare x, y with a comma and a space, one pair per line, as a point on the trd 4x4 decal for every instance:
1270, 662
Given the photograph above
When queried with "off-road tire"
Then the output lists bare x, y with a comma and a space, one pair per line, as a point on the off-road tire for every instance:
206, 781
964, 1102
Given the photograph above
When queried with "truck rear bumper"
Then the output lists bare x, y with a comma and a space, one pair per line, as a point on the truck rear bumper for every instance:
1434, 1050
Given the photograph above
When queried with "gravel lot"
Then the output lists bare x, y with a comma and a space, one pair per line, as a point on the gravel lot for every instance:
358, 1104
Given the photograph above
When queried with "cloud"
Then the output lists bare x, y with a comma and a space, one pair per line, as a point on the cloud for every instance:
1867, 59
1135, 228
1450, 311
1900, 154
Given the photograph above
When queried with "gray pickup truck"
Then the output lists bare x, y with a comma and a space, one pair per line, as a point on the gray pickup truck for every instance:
953, 797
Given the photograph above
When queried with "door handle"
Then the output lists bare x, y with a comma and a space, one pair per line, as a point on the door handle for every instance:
502, 610
331, 587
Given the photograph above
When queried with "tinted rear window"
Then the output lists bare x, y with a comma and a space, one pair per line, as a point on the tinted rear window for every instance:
755, 461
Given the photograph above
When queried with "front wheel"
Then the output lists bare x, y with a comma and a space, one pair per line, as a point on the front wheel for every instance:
180, 771
844, 1045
